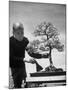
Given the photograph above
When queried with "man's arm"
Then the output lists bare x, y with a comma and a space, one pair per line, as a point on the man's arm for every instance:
11, 54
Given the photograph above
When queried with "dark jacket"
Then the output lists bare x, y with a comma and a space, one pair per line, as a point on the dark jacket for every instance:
17, 50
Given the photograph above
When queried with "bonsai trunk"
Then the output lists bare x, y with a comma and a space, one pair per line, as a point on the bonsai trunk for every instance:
50, 58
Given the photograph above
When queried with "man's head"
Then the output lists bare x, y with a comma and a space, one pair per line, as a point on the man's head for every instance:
18, 31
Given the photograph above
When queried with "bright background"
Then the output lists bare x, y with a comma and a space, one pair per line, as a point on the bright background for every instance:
32, 14
4, 45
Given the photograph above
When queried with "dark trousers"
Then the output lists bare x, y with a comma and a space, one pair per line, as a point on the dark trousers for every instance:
18, 75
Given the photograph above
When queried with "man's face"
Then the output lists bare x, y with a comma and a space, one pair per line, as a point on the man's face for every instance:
19, 34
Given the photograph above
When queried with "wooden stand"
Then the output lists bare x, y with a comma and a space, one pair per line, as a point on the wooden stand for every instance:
43, 79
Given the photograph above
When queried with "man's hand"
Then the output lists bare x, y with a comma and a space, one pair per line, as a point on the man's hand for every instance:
32, 61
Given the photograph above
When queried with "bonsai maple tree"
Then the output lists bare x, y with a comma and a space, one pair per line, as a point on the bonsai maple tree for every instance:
50, 41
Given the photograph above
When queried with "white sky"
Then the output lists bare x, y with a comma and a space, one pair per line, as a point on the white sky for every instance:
31, 14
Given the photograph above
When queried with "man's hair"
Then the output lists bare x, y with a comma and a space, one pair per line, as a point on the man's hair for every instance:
17, 26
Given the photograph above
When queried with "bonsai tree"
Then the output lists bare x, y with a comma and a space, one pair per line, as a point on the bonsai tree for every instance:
50, 41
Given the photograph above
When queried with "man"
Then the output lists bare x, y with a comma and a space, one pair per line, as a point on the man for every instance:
18, 45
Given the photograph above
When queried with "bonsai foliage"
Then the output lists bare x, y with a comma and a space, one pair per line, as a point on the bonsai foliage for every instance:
51, 40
